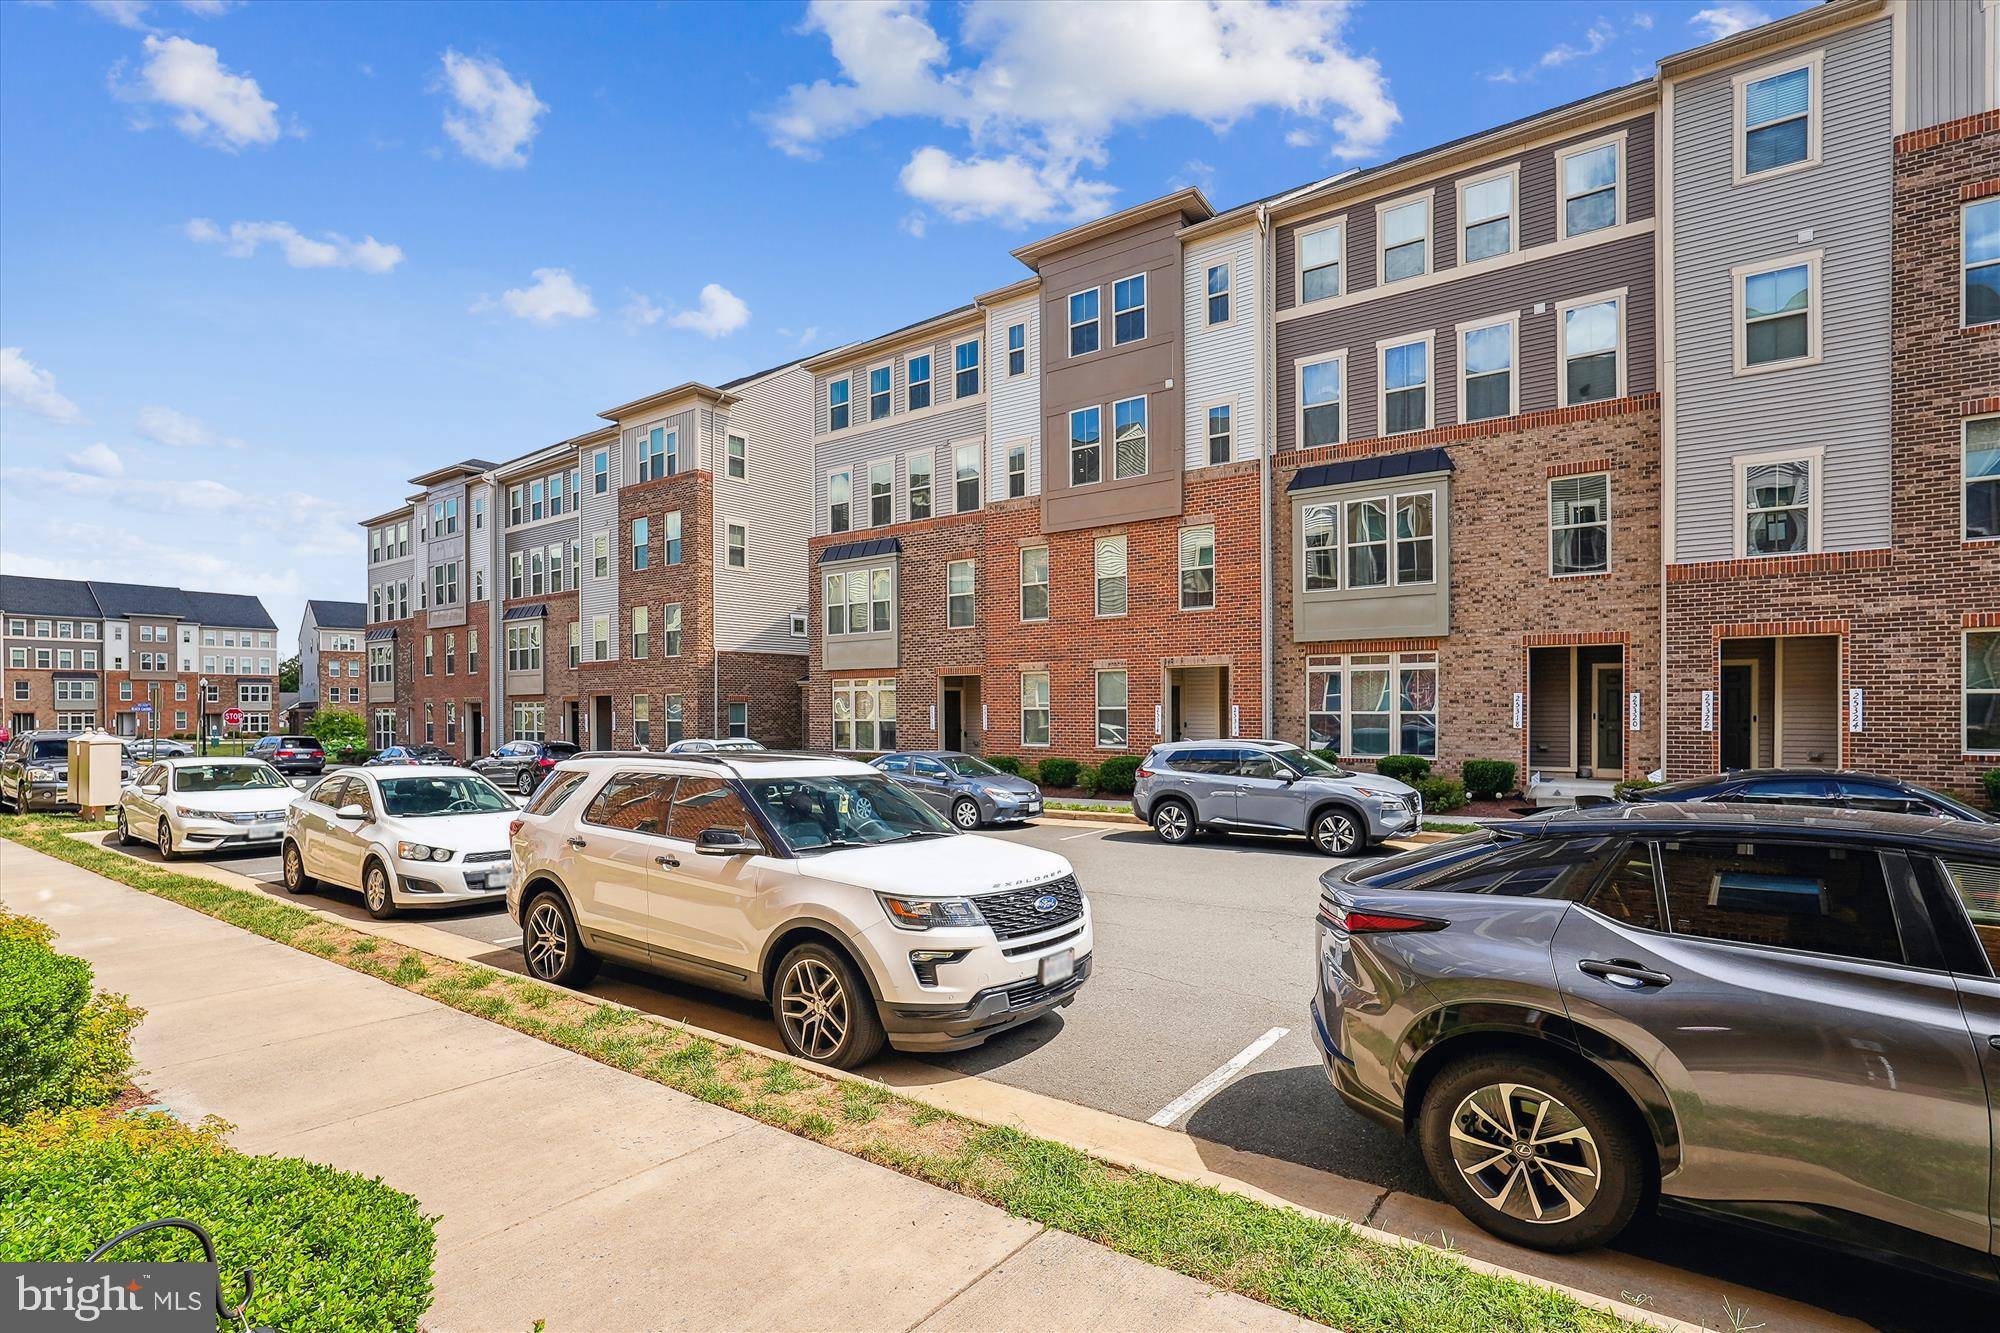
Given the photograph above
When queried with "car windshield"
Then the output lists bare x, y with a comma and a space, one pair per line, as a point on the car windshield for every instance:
968, 767
40, 752
456, 794
1305, 763
228, 777
816, 813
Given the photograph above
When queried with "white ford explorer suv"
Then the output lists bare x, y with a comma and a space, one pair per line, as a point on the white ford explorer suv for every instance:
818, 885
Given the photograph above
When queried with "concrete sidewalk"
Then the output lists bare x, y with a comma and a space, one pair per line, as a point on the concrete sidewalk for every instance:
570, 1191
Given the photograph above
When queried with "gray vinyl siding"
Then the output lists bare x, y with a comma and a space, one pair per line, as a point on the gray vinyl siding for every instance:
1808, 703
537, 535
943, 380
935, 433
599, 597
686, 424
754, 605
1549, 716
1220, 364
1945, 49
1842, 403
478, 541
1014, 403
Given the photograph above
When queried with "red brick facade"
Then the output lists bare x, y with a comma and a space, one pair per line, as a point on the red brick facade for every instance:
1899, 614
339, 673
440, 701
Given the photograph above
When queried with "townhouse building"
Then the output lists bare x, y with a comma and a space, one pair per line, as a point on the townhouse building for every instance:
135, 659
333, 656
1831, 244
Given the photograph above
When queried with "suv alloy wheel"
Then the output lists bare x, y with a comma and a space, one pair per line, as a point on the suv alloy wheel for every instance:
1337, 833
525, 784
1173, 822
824, 1008
550, 945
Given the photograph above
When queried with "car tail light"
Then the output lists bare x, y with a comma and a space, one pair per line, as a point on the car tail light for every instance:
545, 762
1144, 773
1373, 923
514, 826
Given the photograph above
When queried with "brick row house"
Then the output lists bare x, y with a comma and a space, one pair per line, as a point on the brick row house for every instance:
135, 659
333, 657
1656, 432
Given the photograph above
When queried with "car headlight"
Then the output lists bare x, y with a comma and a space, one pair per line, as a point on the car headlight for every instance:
40, 775
189, 812
930, 913
418, 851
1380, 794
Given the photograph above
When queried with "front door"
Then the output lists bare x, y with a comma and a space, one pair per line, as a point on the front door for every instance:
1809, 1062
954, 724
475, 723
600, 722
575, 732
1739, 714
1607, 719
1174, 731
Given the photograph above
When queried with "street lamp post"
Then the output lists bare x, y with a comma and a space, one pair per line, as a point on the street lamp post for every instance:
201, 712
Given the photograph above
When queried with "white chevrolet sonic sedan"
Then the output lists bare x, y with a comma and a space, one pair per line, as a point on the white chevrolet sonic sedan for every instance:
200, 805
405, 836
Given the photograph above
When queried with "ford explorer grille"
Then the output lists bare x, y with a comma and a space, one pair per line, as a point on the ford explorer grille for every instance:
1013, 913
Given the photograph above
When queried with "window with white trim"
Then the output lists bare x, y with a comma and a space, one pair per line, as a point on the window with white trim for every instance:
1017, 471
1777, 111
600, 638
1777, 495
958, 594
858, 601
918, 467
878, 393
1319, 262
1221, 435
1110, 572
1579, 524
864, 715
529, 722
917, 393
600, 472
1128, 310
659, 456
1035, 583
1086, 440
1084, 334
1982, 692
1387, 540
1486, 216
642, 549
575, 643
675, 716
1218, 294
965, 369
881, 492
965, 479
1590, 334
1979, 257
738, 457
524, 646
836, 403
670, 630
1197, 548
1322, 411
1592, 177
1128, 438
1405, 377
735, 552
1371, 706
839, 500
1113, 713
642, 720
642, 634
600, 555
1035, 708
1777, 312
430, 647
1982, 478
1404, 240
1017, 349
1486, 382
381, 665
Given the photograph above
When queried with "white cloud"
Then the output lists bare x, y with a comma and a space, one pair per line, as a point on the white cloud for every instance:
125, 13
1719, 21
212, 104
331, 250
25, 385
178, 430
641, 311
1643, 21
915, 223
553, 295
99, 460
722, 312
1598, 36
1037, 99
497, 116
311, 524
209, 9
1300, 138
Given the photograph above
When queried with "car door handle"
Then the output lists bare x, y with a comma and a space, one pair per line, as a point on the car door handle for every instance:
668, 862
1623, 972
576, 842
1994, 1041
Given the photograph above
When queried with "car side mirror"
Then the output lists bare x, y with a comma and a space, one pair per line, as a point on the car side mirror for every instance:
351, 814
725, 842
152, 789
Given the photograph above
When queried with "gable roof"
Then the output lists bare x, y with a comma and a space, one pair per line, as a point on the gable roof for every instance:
236, 609
22, 595
140, 599
338, 615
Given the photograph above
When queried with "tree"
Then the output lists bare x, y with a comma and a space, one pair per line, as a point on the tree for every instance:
288, 675
341, 732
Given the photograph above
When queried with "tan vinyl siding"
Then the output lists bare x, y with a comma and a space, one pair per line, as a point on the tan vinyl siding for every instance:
754, 605
934, 433
1808, 713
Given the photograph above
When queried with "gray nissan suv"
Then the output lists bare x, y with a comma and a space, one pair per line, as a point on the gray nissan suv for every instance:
1184, 787
1783, 1015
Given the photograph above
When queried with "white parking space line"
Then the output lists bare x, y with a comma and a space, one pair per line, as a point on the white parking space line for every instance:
507, 943
1089, 833
1211, 1085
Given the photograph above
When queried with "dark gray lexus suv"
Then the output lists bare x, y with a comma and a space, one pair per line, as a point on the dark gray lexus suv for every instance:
1782, 1014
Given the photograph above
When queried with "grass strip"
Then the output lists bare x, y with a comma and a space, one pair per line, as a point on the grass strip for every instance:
1313, 1267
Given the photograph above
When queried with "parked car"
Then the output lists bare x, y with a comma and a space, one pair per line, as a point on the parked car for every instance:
289, 754
1821, 787
202, 805
400, 756
1184, 787
34, 772
1767, 1012
719, 744
819, 886
520, 766
405, 836
143, 751
963, 787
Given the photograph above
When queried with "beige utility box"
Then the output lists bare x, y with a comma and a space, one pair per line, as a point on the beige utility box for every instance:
94, 762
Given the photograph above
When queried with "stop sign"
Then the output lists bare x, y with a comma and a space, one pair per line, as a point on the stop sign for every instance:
232, 717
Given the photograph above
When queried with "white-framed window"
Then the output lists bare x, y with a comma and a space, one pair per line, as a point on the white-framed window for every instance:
1487, 385
836, 403
600, 555
471, 654
1979, 257
1221, 431
1488, 214
1128, 438
1322, 400
959, 596
1109, 562
860, 601
642, 720
917, 391
1777, 111
1128, 310
1579, 524
965, 369
575, 642
1777, 313
736, 546
1086, 446
1982, 478
1590, 348
1085, 336
1034, 583
529, 721
799, 624
1017, 350
1403, 239
517, 575
75, 722
381, 665
880, 402
917, 468
600, 638
450, 654
1777, 500
478, 513
642, 634
1403, 377
966, 465
642, 549
881, 492
1220, 310
1113, 713
1017, 471
659, 456
737, 458
600, 472
670, 630
1319, 253
1197, 547
430, 656
478, 585
1035, 709
839, 500
1386, 540
1592, 180
864, 715
1981, 674
552, 562
675, 715
1374, 705
17, 658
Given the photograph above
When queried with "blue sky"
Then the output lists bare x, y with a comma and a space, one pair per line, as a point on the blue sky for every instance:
259, 263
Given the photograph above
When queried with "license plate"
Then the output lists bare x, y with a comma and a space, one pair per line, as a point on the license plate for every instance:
1058, 967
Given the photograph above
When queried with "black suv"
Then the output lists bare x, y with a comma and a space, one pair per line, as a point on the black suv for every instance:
520, 766
289, 754
1824, 788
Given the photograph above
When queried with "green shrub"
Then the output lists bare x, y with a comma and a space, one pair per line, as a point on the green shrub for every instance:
1086, 779
1117, 775
1410, 768
1990, 781
338, 730
1625, 791
331, 1250
1006, 763
1487, 777
1030, 770
1331, 757
61, 1045
1057, 772
1441, 795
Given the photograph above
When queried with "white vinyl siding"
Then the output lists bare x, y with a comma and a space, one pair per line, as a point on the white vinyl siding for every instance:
754, 603
1220, 361
1014, 402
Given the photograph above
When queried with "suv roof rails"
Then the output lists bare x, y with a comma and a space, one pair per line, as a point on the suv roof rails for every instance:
645, 754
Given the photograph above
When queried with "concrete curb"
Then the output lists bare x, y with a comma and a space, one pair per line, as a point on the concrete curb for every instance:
1168, 1153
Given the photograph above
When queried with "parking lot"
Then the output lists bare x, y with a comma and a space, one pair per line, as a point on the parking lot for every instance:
1195, 1017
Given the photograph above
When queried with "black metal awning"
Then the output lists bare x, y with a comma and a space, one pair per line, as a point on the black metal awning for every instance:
1381, 467
535, 612
858, 550
381, 635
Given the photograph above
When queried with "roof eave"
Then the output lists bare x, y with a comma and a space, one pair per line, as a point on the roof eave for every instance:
963, 317
1794, 27
1187, 200
654, 401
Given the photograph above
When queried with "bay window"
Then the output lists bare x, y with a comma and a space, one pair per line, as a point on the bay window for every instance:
1373, 705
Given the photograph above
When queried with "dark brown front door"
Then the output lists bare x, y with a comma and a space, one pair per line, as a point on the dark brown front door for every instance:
954, 724
600, 722
1739, 714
